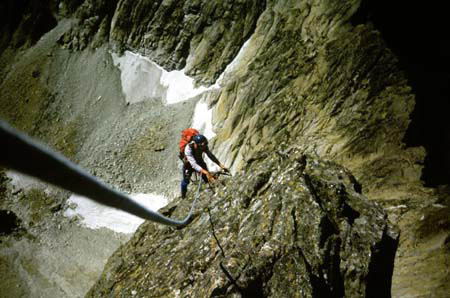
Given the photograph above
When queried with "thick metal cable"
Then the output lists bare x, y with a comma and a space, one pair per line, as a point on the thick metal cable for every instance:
21, 153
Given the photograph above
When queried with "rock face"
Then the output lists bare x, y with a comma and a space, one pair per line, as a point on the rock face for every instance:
310, 75
200, 36
23, 22
288, 226
335, 91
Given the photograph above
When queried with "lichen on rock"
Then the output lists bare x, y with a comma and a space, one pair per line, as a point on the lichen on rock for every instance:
201, 36
309, 76
289, 225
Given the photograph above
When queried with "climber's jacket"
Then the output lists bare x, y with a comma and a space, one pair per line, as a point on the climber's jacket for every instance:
194, 156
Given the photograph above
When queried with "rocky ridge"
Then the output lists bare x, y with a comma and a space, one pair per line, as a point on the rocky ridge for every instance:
51, 95
309, 75
200, 36
289, 225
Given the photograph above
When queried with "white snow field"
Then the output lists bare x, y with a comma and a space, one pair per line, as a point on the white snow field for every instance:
97, 216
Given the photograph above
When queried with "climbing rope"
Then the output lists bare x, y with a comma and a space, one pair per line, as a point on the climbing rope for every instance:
221, 265
21, 153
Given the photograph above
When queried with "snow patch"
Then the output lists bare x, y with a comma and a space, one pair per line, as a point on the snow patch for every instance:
97, 216
21, 181
202, 119
179, 86
24, 182
143, 79
241, 57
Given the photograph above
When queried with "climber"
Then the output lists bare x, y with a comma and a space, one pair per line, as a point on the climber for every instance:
193, 160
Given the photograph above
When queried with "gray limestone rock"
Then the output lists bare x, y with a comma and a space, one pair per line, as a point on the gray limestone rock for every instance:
307, 77
200, 36
288, 226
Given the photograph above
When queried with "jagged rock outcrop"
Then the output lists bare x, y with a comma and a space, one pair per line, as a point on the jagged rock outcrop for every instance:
200, 36
309, 75
329, 87
288, 226
303, 57
23, 22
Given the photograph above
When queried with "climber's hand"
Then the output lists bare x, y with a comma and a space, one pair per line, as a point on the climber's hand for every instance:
224, 168
210, 177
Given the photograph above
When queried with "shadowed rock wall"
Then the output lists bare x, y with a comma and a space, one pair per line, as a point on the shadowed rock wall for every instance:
326, 86
290, 226
23, 22
314, 75
200, 36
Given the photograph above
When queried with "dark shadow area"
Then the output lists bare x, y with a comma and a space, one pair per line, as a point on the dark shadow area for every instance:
418, 35
319, 285
23, 22
381, 268
9, 223
254, 289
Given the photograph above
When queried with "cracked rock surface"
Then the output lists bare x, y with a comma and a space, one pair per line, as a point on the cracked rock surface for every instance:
312, 75
291, 226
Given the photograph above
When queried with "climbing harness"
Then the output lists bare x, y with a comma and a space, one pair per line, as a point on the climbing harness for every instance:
21, 153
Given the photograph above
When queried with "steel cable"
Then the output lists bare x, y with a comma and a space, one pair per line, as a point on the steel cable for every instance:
23, 154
